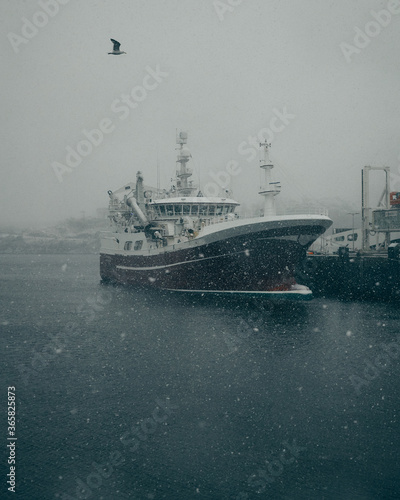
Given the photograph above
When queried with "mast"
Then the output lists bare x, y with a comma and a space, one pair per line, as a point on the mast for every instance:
270, 189
158, 174
183, 173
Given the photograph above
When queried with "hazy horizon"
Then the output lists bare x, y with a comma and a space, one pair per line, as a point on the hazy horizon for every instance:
224, 71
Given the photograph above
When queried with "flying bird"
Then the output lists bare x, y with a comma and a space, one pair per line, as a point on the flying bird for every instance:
116, 51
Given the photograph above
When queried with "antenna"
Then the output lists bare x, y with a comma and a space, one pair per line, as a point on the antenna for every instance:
182, 138
158, 175
265, 161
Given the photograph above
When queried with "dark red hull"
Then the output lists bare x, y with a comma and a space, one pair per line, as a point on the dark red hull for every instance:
261, 261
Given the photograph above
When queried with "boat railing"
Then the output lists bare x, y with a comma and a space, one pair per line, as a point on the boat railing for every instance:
310, 210
217, 219
304, 210
307, 209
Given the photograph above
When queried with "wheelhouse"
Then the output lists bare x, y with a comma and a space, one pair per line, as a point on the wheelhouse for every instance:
195, 207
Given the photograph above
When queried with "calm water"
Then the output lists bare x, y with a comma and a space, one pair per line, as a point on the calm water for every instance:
124, 394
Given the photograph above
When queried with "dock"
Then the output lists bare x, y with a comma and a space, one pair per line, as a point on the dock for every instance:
373, 276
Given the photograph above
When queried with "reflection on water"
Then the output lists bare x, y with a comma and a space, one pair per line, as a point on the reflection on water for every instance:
166, 396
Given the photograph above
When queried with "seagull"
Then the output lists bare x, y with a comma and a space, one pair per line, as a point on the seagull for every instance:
116, 51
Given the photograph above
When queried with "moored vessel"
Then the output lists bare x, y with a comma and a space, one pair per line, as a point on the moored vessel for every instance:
183, 241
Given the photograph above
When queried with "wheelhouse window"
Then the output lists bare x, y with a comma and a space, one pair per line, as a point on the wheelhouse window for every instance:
203, 210
186, 209
138, 245
128, 245
211, 210
170, 210
195, 209
178, 209
162, 209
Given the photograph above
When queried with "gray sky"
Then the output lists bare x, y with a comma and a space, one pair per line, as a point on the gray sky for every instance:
228, 68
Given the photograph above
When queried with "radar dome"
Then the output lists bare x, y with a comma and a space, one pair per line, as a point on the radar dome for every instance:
185, 152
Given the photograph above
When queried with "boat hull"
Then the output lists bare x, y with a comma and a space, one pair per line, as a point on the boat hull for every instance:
260, 258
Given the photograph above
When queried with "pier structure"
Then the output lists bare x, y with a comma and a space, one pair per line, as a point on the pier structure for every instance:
372, 273
366, 209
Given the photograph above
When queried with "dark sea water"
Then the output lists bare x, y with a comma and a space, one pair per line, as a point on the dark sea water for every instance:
127, 394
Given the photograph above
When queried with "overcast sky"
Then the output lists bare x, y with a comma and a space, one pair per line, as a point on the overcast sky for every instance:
222, 71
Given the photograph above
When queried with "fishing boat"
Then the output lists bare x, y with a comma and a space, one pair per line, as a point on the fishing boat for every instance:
181, 240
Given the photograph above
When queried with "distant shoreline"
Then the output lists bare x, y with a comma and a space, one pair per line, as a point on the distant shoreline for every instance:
71, 237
